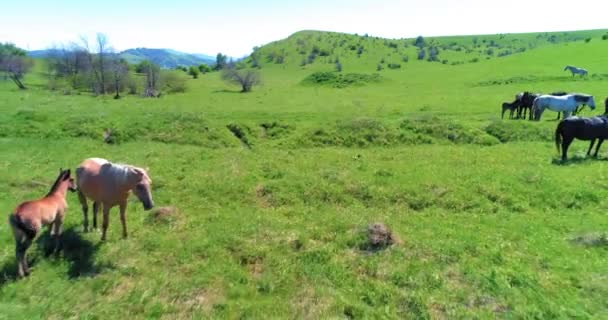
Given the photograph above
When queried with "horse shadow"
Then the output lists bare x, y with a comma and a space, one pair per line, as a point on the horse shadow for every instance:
576, 160
76, 250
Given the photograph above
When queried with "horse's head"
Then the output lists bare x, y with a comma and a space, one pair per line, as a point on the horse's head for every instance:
591, 103
567, 68
67, 179
142, 188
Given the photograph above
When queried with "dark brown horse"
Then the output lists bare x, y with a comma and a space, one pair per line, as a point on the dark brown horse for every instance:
583, 129
29, 217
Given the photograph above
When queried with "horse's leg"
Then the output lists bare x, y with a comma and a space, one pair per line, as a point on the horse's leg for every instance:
597, 149
56, 231
23, 242
106, 220
123, 220
85, 210
590, 147
95, 211
565, 145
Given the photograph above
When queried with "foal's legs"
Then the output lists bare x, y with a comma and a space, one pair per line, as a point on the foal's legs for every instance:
123, 220
591, 147
598, 147
23, 242
85, 210
56, 229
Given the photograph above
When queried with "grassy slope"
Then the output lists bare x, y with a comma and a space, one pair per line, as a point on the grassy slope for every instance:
275, 230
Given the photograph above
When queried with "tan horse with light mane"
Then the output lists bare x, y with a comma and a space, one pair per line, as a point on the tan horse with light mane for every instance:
110, 184
29, 217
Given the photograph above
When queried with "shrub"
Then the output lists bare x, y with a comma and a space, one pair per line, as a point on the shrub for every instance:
405, 59
194, 72
394, 66
172, 82
587, 40
605, 37
421, 54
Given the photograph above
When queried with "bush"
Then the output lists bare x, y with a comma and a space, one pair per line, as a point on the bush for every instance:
421, 54
605, 37
194, 72
203, 68
172, 82
405, 59
394, 66
587, 40
338, 80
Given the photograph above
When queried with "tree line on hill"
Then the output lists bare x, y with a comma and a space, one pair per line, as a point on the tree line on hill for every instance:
100, 70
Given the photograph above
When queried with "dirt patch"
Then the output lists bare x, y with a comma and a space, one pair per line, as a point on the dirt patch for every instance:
167, 214
379, 236
594, 239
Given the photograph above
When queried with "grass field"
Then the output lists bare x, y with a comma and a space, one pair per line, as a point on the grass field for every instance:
272, 225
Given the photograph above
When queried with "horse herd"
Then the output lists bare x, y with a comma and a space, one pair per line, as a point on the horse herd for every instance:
106, 184
571, 127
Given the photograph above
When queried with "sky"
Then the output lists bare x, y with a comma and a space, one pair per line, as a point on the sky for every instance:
235, 27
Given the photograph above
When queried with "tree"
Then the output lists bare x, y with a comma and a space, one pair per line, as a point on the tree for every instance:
246, 78
194, 72
152, 73
14, 63
203, 68
419, 42
120, 72
220, 62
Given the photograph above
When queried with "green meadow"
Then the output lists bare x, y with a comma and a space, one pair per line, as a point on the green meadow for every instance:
274, 189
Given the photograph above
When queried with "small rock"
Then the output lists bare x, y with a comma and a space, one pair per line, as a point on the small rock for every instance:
379, 236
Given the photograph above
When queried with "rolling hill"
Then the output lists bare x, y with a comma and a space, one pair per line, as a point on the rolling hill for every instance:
166, 58
274, 189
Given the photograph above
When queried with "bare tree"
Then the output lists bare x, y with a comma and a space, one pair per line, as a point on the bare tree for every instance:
120, 72
103, 49
14, 63
246, 78
152, 73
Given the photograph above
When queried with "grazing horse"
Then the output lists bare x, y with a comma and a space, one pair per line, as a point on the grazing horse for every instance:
566, 104
110, 184
576, 70
583, 129
29, 217
526, 101
511, 106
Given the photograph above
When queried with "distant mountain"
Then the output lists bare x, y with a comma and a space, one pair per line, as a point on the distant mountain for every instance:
39, 53
165, 58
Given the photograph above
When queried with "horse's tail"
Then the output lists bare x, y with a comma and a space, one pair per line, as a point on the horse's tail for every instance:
16, 223
558, 135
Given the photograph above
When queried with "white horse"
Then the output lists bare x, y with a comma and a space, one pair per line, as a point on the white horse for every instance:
576, 70
566, 104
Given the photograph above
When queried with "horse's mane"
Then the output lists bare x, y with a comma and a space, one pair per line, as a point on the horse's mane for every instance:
57, 182
581, 97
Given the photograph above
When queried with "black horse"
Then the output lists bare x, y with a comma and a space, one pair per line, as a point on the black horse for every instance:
526, 101
583, 129
513, 107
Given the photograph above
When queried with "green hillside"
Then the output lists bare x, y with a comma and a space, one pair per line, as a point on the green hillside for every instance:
275, 188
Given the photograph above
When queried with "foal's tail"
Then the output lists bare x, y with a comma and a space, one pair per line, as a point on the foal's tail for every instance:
558, 136
16, 223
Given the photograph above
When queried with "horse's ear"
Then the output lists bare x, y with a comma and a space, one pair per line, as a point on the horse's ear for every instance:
68, 173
